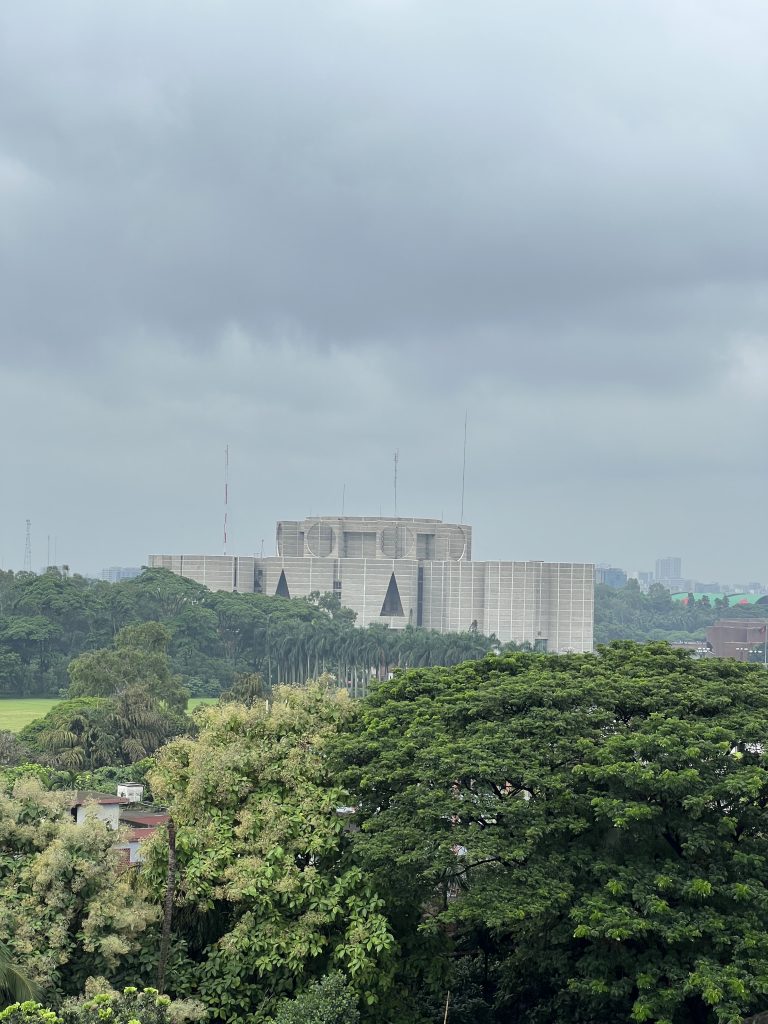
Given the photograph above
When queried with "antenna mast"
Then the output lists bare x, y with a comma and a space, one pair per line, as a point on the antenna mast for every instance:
28, 549
463, 468
226, 494
397, 457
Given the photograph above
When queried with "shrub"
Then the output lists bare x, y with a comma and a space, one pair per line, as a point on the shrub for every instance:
28, 1013
328, 1001
131, 1006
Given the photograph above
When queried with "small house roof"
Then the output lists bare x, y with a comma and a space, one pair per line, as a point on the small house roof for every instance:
93, 796
138, 835
147, 819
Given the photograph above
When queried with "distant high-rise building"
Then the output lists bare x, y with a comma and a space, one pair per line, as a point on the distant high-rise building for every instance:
668, 570
116, 573
611, 576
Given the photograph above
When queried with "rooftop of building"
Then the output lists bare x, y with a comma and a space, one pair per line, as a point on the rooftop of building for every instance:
92, 796
144, 818
371, 519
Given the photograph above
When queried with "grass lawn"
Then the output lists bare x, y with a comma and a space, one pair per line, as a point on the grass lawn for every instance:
196, 701
16, 712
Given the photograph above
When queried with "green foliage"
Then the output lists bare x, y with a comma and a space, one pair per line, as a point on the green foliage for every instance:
328, 1001
145, 1006
88, 733
12, 750
125, 703
246, 689
629, 614
593, 823
28, 1012
74, 734
137, 661
107, 778
48, 621
131, 1006
552, 840
44, 621
67, 908
15, 986
267, 895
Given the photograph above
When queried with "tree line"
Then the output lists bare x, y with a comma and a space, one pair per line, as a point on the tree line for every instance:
627, 613
48, 620
123, 702
514, 840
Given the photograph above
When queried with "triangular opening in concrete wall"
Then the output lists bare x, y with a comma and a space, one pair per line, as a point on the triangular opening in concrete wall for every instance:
392, 603
282, 586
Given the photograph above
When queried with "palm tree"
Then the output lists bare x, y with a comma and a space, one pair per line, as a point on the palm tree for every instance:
15, 986
79, 739
140, 724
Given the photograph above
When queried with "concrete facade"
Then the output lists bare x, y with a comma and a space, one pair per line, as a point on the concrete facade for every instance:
739, 639
415, 572
103, 806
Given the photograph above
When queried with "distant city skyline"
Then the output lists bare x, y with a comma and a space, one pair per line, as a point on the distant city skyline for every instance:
117, 573
617, 576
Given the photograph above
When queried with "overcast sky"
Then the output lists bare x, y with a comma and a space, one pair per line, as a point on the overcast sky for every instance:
320, 232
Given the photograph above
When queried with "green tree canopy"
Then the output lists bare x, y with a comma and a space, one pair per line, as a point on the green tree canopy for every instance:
74, 734
266, 884
592, 825
68, 909
246, 689
87, 733
627, 613
48, 621
138, 659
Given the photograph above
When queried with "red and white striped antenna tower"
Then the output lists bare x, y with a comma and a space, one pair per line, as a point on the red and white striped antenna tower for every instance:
226, 494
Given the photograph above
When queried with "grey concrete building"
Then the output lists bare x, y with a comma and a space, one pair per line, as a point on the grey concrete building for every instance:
411, 571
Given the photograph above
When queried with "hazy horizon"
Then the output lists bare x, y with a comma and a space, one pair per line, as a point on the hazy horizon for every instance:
321, 233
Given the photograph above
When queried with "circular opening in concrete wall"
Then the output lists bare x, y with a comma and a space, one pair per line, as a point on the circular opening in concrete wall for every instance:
457, 543
398, 541
320, 540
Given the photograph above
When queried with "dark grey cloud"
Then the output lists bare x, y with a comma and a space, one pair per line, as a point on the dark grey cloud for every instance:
320, 231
